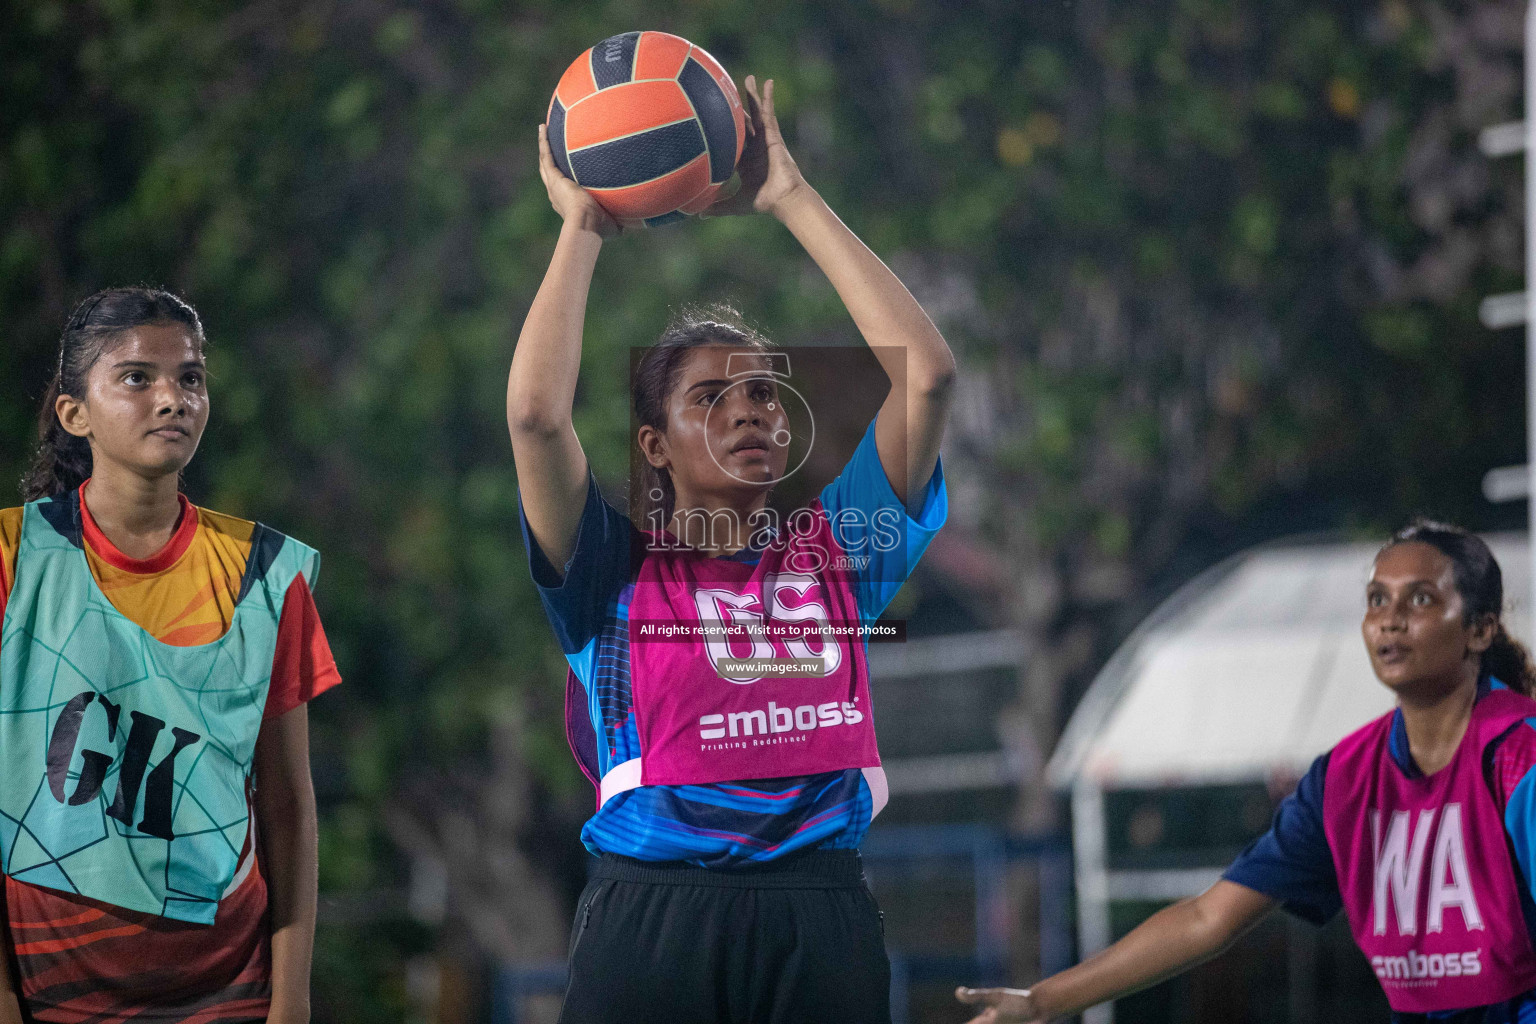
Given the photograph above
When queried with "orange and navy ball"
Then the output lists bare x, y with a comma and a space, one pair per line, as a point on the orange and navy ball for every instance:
648, 123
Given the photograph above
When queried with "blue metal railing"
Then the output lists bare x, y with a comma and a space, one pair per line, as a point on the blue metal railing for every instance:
903, 849
516, 981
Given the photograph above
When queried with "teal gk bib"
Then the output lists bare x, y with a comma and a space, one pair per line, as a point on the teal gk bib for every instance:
125, 763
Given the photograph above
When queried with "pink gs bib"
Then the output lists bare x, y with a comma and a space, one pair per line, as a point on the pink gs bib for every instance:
1425, 868
745, 671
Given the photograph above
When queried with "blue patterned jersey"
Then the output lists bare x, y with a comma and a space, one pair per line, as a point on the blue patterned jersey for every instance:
720, 824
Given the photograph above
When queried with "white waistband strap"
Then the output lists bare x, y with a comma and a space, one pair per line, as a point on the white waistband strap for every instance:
620, 779
625, 776
879, 789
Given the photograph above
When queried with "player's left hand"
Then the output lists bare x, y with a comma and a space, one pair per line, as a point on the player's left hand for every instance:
768, 174
1001, 1005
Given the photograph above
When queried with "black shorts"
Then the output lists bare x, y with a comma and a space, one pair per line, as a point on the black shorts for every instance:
796, 941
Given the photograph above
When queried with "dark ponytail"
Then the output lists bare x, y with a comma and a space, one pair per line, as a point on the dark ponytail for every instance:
1480, 583
657, 373
63, 461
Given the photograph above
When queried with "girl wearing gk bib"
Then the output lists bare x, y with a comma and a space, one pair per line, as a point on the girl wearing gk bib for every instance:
1421, 826
731, 799
157, 820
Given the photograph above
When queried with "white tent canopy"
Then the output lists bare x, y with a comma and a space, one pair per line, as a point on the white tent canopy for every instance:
1249, 672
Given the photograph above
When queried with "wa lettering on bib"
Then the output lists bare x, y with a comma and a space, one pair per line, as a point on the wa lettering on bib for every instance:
743, 671
125, 762
1425, 870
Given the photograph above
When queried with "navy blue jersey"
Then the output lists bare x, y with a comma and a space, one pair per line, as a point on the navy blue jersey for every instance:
1292, 862
720, 824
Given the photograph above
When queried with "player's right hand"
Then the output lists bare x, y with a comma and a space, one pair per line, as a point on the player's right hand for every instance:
1001, 1005
573, 203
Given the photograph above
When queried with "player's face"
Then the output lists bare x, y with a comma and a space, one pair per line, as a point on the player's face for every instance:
725, 434
1414, 623
146, 402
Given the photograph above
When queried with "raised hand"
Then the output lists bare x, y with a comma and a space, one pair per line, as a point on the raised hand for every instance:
573, 203
767, 172
1001, 1005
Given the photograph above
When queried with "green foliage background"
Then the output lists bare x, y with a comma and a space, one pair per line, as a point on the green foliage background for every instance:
1210, 266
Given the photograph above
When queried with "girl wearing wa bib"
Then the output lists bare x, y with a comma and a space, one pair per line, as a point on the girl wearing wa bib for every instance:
718, 693
156, 816
1420, 826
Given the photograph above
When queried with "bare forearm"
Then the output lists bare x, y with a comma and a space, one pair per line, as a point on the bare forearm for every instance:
1169, 942
551, 466
292, 866
882, 308
287, 829
542, 386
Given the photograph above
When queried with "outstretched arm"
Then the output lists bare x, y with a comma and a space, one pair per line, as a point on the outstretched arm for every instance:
551, 467
1169, 942
911, 350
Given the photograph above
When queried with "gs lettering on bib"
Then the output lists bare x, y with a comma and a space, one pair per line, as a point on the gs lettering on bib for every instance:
125, 762
743, 671
1425, 869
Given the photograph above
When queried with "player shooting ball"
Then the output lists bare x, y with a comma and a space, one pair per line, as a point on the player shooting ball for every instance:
1421, 826
730, 810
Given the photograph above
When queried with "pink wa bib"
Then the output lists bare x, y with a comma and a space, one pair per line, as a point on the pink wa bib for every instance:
742, 671
1425, 869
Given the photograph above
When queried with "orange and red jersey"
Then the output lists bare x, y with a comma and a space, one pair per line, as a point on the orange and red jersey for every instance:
80, 960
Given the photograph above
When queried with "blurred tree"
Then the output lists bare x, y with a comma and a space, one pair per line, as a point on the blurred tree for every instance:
1211, 267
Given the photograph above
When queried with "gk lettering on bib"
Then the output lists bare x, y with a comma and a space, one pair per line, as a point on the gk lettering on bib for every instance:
746, 671
1428, 882
125, 762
